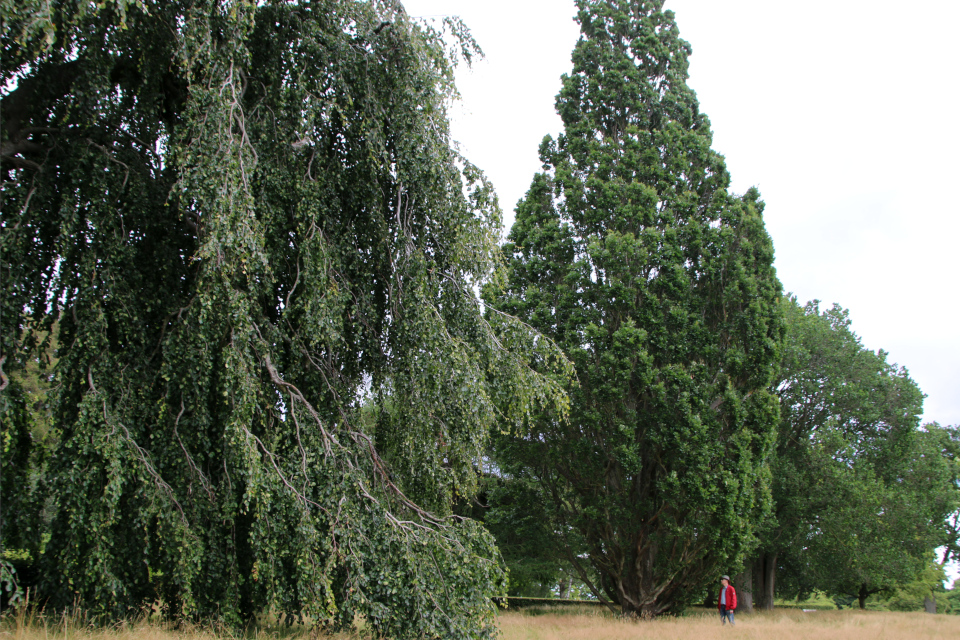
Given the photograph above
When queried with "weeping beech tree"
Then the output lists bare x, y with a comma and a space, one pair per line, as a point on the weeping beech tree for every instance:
261, 248
631, 254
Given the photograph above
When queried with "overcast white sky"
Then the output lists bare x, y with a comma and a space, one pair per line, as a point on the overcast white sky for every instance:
842, 112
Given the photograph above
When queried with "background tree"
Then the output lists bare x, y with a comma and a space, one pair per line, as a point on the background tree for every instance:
925, 593
877, 535
250, 223
531, 549
659, 286
951, 451
861, 493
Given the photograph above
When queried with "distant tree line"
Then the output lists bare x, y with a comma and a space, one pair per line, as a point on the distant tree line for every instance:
261, 351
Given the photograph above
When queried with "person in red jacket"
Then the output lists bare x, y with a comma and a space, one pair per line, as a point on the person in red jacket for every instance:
727, 601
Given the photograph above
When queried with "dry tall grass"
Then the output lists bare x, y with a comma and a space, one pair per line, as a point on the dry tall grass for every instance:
30, 625
777, 625
580, 624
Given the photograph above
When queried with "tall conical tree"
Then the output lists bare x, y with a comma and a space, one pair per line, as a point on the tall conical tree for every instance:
631, 254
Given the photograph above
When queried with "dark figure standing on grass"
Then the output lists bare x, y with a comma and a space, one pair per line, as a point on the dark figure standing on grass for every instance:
727, 602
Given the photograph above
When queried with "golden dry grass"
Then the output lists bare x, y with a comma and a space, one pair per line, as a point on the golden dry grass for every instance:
32, 626
777, 625
579, 624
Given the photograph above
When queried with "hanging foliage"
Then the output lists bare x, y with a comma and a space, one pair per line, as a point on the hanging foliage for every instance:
262, 250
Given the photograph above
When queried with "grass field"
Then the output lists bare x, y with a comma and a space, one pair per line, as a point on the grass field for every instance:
581, 624
777, 625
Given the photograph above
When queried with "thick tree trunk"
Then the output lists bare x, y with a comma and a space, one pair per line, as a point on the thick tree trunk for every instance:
770, 579
764, 580
929, 604
649, 607
637, 590
743, 583
862, 596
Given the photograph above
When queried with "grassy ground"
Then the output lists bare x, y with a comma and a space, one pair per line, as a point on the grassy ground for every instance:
565, 624
778, 625
30, 626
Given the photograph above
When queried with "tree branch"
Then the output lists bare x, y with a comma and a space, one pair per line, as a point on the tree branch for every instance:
20, 106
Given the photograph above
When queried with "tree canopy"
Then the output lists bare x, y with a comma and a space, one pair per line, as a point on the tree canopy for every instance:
861, 492
250, 222
629, 251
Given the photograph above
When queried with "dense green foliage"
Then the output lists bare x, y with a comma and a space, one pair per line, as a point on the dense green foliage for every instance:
658, 284
926, 589
244, 368
885, 522
951, 452
518, 519
261, 249
861, 493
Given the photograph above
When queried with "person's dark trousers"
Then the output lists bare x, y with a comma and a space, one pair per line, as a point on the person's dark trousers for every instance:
726, 614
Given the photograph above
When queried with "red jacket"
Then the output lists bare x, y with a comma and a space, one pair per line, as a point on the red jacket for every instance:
731, 598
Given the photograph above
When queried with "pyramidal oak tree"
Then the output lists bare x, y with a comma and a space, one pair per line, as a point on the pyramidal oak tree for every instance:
629, 252
248, 219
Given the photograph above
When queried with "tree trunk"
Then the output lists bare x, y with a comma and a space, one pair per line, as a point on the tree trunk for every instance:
564, 588
929, 604
743, 583
764, 580
862, 596
637, 589
770, 578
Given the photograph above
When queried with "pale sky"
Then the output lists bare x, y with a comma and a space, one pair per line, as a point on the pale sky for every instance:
842, 113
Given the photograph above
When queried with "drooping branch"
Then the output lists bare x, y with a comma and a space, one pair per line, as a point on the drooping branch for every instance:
362, 439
